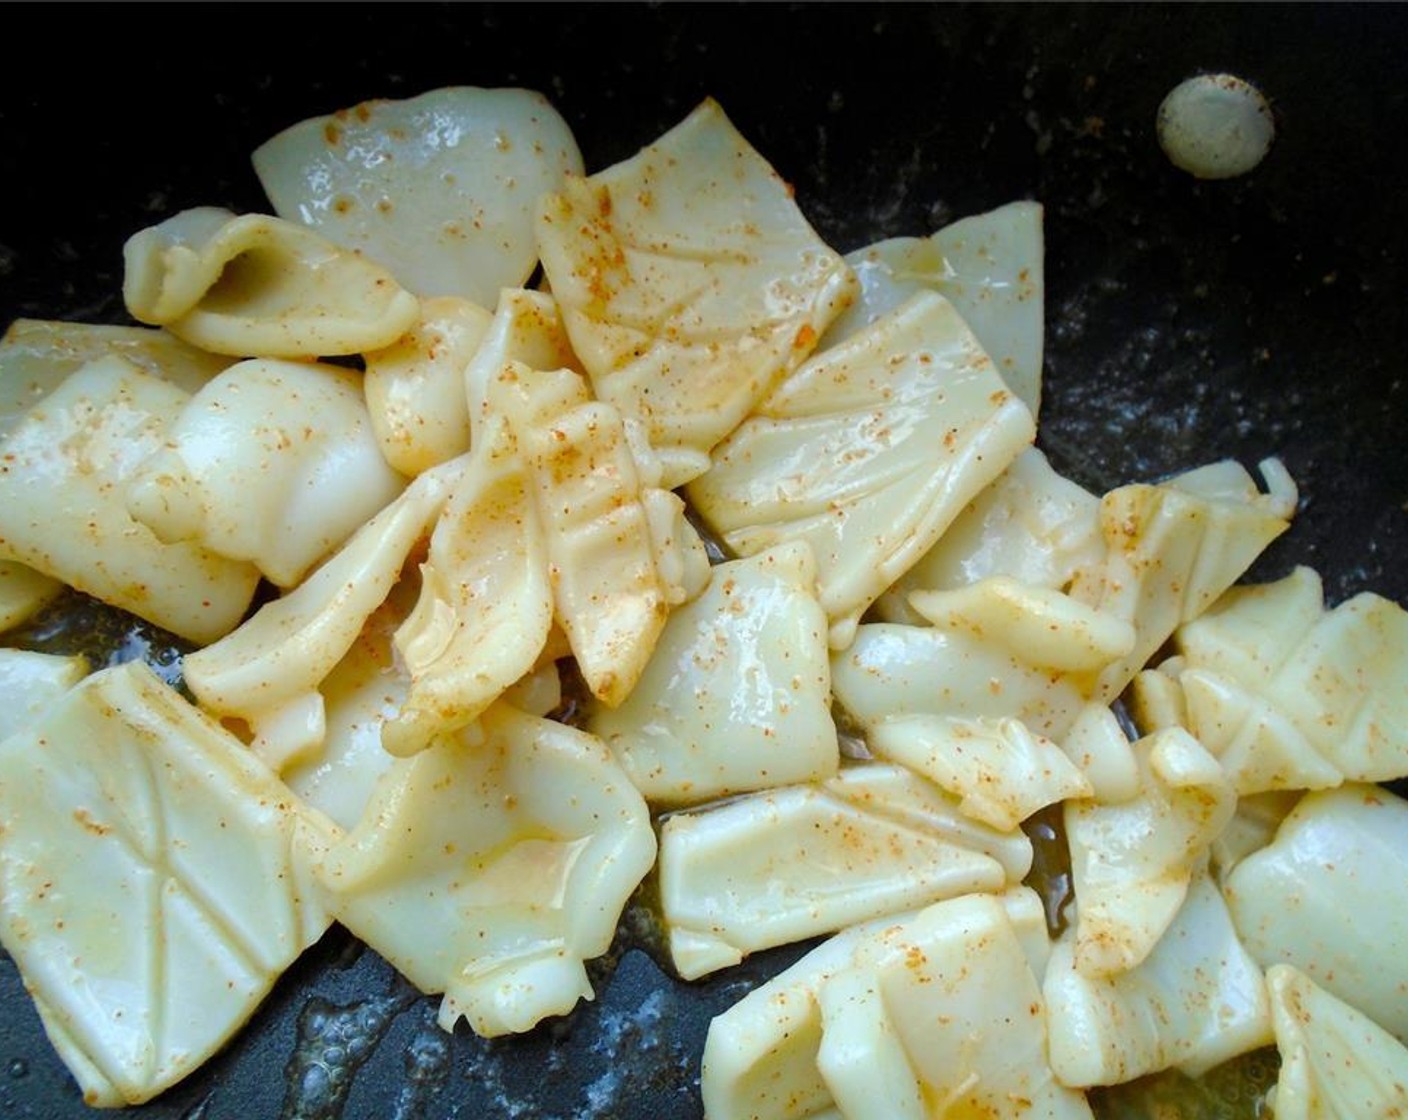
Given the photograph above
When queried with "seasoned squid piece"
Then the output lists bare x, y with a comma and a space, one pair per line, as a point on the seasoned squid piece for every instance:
868, 453
1172, 549
1290, 695
1336, 1062
65, 465
979, 700
526, 328
154, 880
1195, 1001
415, 387
1132, 861
259, 287
989, 266
1031, 525
1329, 895
485, 606
37, 354
439, 188
737, 695
689, 282
791, 863
272, 462
609, 596
35, 357
940, 1013
491, 869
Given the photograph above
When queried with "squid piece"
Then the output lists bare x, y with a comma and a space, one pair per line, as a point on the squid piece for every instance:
954, 997
781, 866
255, 286
1292, 696
1031, 525
1336, 1062
979, 700
1260, 749
1172, 549
440, 188
485, 607
272, 462
939, 1013
609, 596
274, 662
415, 387
737, 695
35, 357
690, 284
1000, 772
491, 871
154, 880
1329, 896
868, 452
895, 672
1131, 862
1195, 1001
1052, 629
989, 266
63, 468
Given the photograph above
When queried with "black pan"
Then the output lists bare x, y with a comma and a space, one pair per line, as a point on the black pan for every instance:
1186, 321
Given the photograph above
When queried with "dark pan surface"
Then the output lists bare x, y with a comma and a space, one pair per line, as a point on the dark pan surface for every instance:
1186, 321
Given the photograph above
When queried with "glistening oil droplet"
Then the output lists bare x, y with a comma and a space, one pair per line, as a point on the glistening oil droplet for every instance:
333, 1043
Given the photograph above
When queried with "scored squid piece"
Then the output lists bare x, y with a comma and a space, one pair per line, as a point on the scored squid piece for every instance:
486, 605
689, 282
1195, 1001
155, 880
608, 593
786, 864
1290, 695
527, 329
1173, 548
1132, 861
868, 452
1336, 1062
1031, 525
